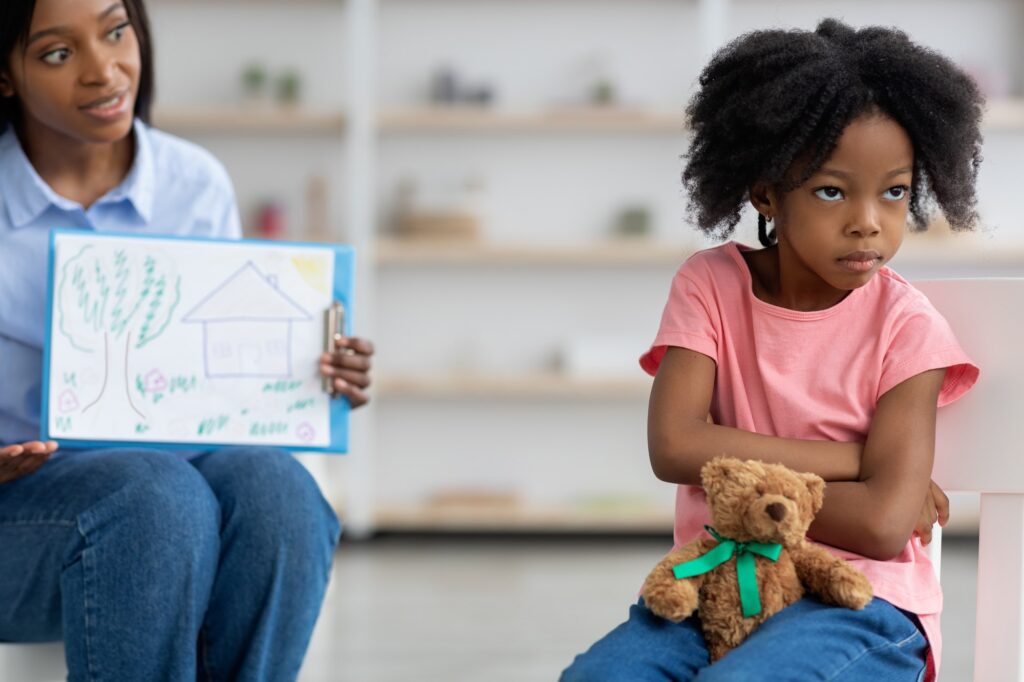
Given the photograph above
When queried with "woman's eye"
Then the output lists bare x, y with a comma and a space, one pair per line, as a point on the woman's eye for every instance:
829, 193
897, 193
58, 56
118, 32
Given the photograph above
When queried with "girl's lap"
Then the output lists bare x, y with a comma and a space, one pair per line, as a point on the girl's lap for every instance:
806, 641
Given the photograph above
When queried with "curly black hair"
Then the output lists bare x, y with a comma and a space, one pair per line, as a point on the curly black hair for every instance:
15, 23
773, 97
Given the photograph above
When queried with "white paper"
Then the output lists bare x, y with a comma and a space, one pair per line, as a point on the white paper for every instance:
188, 341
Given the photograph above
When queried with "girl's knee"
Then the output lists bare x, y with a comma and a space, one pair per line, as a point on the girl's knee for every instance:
588, 669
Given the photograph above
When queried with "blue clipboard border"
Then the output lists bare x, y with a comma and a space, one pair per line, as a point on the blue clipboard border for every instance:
344, 283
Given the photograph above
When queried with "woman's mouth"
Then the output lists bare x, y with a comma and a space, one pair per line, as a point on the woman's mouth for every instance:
109, 108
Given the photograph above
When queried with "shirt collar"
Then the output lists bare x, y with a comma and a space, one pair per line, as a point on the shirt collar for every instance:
27, 195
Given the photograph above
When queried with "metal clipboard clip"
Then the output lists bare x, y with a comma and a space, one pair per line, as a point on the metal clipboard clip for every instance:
334, 328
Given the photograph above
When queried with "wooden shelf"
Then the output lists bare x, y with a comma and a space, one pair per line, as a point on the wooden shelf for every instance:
621, 252
966, 250
245, 120
1001, 114
521, 519
468, 119
1005, 114
514, 387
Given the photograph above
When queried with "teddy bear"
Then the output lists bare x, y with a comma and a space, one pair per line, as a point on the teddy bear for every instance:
757, 561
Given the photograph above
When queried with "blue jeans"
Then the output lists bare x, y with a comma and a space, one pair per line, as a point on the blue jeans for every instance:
154, 567
806, 641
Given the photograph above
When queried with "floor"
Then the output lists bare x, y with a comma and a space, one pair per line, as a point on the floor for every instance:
518, 609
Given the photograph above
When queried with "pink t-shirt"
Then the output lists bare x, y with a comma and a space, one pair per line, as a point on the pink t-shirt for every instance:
813, 375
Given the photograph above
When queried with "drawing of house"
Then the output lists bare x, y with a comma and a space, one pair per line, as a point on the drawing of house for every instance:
247, 326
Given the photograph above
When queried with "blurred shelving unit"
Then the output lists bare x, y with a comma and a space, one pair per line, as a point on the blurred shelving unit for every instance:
483, 517
501, 268
480, 419
1003, 114
398, 252
590, 119
536, 387
309, 153
249, 120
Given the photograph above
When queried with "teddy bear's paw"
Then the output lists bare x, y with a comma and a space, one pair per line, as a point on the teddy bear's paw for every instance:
675, 601
716, 649
848, 587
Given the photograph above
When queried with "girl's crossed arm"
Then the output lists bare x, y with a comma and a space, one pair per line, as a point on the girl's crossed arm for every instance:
874, 492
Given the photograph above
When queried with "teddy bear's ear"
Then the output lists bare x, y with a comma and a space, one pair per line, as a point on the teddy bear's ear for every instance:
714, 474
816, 487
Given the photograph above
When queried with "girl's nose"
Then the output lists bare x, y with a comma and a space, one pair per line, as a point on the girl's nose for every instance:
863, 223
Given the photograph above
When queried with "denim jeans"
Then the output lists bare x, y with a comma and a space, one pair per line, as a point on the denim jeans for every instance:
153, 567
804, 642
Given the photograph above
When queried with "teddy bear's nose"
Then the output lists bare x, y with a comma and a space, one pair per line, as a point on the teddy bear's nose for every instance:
776, 510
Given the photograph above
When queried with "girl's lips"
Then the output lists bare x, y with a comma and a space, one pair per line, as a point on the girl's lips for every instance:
109, 110
859, 266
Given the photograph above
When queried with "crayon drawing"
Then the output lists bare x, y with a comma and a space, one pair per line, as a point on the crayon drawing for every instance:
190, 342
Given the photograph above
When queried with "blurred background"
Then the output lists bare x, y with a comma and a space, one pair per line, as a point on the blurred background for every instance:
508, 171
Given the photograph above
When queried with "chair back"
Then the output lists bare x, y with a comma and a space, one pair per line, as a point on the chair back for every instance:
977, 449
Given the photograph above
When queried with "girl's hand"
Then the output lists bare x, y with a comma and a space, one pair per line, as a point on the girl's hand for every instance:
936, 508
22, 459
348, 367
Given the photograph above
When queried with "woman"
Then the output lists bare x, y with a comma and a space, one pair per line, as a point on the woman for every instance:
150, 565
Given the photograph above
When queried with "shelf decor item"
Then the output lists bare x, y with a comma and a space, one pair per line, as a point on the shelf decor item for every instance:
289, 87
633, 222
448, 89
447, 213
254, 82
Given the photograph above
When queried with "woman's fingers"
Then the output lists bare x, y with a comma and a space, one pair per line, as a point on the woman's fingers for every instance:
356, 396
355, 344
11, 451
348, 376
347, 361
22, 459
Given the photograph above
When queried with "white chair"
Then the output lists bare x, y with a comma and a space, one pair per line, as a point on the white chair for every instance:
978, 439
32, 662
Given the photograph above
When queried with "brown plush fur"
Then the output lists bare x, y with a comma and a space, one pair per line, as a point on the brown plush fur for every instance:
754, 501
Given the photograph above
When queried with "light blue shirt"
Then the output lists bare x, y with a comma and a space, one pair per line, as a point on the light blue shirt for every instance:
173, 187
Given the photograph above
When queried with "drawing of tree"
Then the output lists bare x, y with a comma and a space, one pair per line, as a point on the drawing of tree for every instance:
106, 295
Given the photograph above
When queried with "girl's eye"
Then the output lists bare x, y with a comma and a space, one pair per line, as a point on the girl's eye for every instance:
118, 32
829, 193
897, 193
58, 56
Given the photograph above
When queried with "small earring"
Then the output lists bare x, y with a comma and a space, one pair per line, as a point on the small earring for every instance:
766, 238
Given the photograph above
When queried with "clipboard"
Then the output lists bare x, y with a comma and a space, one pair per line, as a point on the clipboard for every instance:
181, 342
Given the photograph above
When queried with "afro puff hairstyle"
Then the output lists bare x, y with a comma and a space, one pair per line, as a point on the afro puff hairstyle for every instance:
773, 97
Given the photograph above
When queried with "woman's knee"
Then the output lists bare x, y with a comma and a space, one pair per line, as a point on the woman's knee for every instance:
271, 493
154, 494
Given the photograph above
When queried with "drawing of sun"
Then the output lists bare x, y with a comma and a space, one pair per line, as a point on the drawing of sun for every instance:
313, 271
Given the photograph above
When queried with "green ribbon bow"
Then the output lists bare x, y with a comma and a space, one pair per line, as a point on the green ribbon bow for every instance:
746, 574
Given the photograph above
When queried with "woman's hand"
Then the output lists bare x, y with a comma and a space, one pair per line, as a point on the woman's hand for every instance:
348, 367
935, 509
21, 459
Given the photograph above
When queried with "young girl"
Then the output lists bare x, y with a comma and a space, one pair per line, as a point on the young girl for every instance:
809, 352
150, 565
